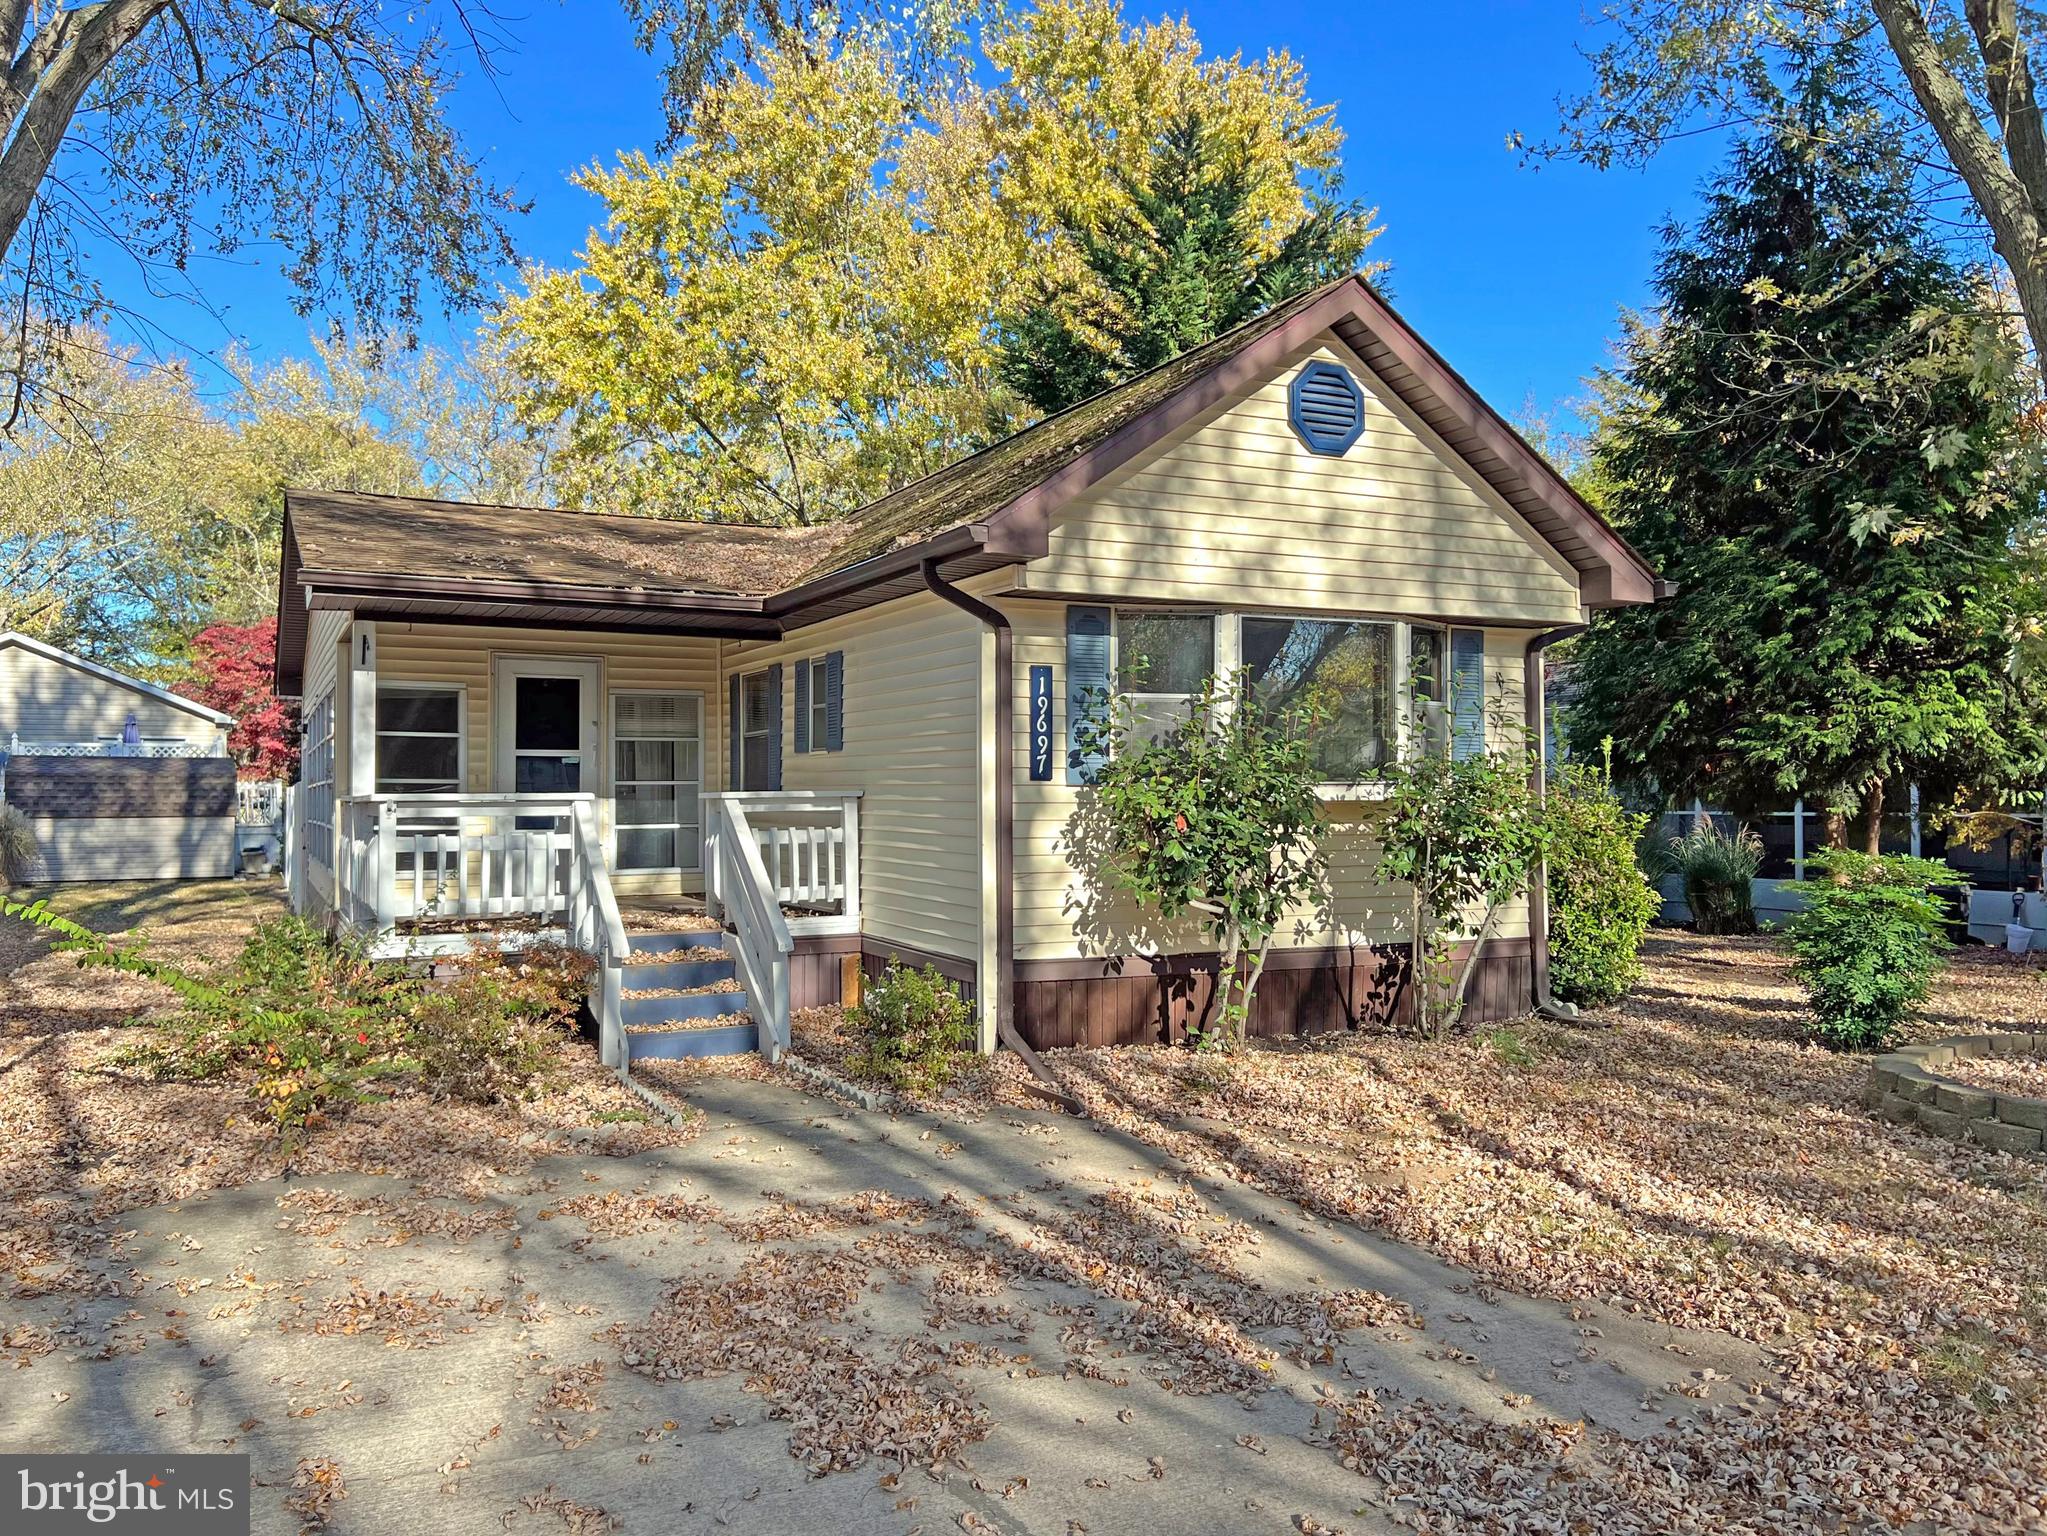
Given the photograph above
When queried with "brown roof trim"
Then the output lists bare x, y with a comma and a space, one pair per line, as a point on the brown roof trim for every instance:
288, 666
475, 589
1615, 574
876, 568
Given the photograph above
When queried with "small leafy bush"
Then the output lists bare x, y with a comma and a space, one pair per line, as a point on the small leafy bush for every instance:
19, 853
1600, 904
1868, 945
1717, 868
914, 1026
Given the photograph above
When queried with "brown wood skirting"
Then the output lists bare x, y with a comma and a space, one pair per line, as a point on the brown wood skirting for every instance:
108, 787
1149, 1001
875, 955
814, 968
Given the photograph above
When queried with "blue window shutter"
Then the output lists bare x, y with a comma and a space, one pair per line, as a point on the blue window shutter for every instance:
803, 707
1467, 692
1087, 684
775, 737
1326, 408
734, 729
834, 701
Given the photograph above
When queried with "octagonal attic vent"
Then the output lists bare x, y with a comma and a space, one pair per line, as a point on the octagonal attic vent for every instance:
1326, 408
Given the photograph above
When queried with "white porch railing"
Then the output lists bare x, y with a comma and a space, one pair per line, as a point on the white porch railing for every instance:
809, 844
737, 888
538, 858
114, 746
258, 802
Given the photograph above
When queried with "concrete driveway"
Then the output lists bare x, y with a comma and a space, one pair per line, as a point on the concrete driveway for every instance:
673, 1342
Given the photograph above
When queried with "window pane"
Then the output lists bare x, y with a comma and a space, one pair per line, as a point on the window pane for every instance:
1426, 651
407, 709
547, 714
654, 714
643, 849
1164, 652
547, 775
643, 804
759, 702
753, 763
1427, 663
646, 760
417, 757
1344, 671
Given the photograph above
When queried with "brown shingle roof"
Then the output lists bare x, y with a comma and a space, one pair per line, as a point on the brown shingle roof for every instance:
357, 534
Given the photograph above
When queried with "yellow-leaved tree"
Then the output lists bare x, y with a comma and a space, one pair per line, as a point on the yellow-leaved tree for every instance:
801, 308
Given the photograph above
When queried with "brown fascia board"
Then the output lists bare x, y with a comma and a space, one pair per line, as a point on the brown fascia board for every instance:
489, 590
287, 667
1622, 577
972, 537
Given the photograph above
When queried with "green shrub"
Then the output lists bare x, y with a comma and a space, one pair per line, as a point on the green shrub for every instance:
913, 1027
18, 851
1600, 904
1868, 945
1717, 868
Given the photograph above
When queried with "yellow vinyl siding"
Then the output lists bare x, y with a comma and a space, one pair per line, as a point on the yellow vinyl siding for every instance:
461, 654
324, 629
1236, 511
912, 731
45, 700
1063, 914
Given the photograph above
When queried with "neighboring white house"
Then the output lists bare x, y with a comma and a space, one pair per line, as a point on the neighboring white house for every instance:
121, 779
856, 740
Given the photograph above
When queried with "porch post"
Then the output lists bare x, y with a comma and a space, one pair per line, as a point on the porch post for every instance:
1798, 839
385, 854
362, 708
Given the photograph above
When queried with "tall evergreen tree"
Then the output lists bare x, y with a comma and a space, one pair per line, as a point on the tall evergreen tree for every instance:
1182, 260
1814, 440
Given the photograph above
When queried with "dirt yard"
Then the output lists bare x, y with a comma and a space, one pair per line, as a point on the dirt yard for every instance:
1659, 1273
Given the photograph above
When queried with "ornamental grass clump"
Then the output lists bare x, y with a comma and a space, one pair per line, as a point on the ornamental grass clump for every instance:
1719, 869
19, 853
1868, 944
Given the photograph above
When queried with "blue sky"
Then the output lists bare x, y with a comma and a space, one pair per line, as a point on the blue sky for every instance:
1515, 275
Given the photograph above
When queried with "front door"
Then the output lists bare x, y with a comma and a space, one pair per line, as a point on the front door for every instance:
548, 726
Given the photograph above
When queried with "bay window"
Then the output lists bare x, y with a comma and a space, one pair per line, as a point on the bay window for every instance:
1355, 676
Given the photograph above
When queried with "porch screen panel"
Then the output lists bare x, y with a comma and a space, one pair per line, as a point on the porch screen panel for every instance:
657, 779
419, 740
316, 779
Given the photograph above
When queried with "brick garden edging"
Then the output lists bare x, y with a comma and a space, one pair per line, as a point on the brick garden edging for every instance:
1906, 1087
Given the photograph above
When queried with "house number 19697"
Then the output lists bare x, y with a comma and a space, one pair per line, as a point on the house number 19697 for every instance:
1041, 725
